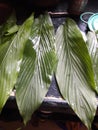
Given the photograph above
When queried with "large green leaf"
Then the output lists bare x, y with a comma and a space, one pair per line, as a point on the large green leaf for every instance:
74, 72
37, 67
92, 44
11, 53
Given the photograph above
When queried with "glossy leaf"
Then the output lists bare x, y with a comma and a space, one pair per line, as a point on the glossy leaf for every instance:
11, 53
74, 72
92, 44
37, 67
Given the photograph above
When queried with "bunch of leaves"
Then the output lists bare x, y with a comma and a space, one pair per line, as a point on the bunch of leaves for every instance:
27, 62
28, 59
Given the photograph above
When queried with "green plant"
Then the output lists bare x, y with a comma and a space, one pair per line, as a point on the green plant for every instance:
31, 53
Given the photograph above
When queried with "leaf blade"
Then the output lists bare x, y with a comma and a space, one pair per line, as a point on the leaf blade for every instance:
76, 78
92, 44
42, 64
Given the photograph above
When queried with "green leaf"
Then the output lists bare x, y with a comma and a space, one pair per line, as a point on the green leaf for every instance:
9, 24
92, 44
74, 72
8, 29
12, 30
11, 53
37, 67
